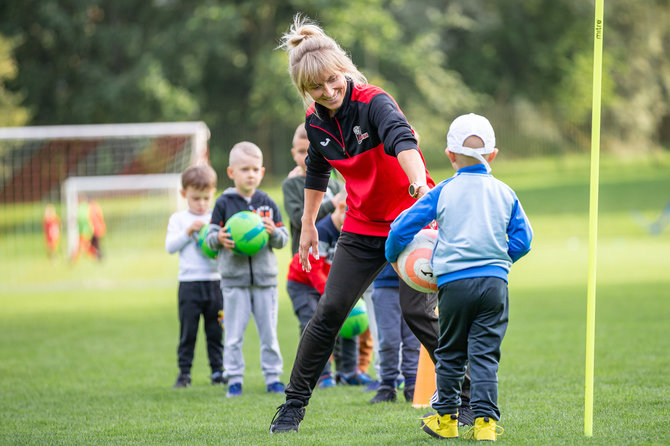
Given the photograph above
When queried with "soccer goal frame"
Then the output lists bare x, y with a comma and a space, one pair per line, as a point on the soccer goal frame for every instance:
197, 129
36, 161
74, 186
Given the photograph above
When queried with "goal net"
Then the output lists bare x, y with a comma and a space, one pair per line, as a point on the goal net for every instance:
132, 205
124, 167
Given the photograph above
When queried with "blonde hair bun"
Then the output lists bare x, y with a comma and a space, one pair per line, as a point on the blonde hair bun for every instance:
301, 30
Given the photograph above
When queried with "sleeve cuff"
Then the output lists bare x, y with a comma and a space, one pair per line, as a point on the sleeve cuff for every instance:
403, 145
316, 182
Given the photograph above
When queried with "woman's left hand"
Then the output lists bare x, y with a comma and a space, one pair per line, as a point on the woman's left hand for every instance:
309, 241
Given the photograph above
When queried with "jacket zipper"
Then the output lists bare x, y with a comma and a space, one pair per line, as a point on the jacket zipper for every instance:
344, 151
251, 272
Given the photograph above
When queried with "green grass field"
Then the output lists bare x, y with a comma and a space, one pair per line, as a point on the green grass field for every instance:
88, 351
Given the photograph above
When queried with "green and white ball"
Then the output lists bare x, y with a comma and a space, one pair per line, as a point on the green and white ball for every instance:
248, 232
206, 251
357, 321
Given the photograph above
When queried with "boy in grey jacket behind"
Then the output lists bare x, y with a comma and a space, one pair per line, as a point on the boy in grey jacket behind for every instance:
249, 284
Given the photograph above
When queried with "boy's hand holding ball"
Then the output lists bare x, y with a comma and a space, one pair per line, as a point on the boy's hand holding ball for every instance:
269, 224
223, 236
195, 227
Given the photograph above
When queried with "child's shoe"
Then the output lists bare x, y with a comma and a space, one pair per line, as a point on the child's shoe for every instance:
465, 415
326, 380
485, 429
440, 426
346, 379
276, 387
385, 394
183, 380
355, 379
364, 379
234, 390
408, 392
218, 378
373, 386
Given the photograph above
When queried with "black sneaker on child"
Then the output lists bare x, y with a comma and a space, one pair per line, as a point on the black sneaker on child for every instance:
385, 394
408, 391
183, 380
465, 415
288, 417
218, 378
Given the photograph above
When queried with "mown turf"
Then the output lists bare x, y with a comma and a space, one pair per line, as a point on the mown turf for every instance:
88, 351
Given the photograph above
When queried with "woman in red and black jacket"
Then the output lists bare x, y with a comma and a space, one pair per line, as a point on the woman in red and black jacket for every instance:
359, 130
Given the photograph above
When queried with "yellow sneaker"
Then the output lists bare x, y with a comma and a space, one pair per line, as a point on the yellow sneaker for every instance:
485, 429
440, 426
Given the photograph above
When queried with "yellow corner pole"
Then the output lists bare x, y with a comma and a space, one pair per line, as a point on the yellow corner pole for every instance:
593, 217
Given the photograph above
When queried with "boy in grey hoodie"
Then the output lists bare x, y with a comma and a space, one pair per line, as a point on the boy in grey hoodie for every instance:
248, 283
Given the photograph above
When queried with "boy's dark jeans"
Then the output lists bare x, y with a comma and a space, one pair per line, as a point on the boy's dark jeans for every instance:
358, 259
473, 320
195, 299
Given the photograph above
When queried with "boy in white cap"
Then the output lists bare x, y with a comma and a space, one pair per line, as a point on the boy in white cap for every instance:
482, 230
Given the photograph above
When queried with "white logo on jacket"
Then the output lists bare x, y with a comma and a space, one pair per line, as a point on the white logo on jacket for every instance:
325, 143
360, 136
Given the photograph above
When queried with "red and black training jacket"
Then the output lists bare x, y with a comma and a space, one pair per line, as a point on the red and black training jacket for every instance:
361, 140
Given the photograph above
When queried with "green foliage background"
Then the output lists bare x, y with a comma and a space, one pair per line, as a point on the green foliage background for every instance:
526, 64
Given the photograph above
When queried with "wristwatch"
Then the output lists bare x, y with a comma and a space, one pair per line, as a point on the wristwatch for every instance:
414, 189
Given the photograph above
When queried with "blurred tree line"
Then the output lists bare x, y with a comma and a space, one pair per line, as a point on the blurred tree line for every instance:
526, 64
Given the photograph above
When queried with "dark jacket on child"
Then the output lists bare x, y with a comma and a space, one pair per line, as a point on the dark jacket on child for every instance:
240, 270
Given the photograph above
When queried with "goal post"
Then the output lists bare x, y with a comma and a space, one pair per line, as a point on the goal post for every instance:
36, 161
197, 131
75, 187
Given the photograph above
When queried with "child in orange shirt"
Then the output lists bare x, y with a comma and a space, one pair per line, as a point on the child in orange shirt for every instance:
52, 227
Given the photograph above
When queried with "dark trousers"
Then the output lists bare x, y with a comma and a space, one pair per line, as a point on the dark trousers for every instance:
473, 320
304, 298
345, 355
358, 259
195, 299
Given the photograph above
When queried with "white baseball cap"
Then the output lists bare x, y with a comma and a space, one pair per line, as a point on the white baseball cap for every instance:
471, 125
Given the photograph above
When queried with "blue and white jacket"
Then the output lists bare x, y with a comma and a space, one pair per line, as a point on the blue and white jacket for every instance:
482, 228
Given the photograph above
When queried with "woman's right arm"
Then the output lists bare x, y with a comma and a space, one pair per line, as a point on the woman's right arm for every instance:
412, 164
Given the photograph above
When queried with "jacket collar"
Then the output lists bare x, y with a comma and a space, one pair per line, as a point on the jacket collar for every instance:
475, 168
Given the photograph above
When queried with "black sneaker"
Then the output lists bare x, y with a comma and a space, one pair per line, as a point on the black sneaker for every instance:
408, 392
183, 380
288, 417
385, 394
465, 415
218, 378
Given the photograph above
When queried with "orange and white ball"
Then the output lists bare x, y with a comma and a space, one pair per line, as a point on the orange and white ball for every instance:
414, 262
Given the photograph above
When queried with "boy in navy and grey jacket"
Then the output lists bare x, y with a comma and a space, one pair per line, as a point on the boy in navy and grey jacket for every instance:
248, 283
482, 230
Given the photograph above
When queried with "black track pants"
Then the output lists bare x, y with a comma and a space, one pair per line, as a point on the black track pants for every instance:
196, 299
358, 259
